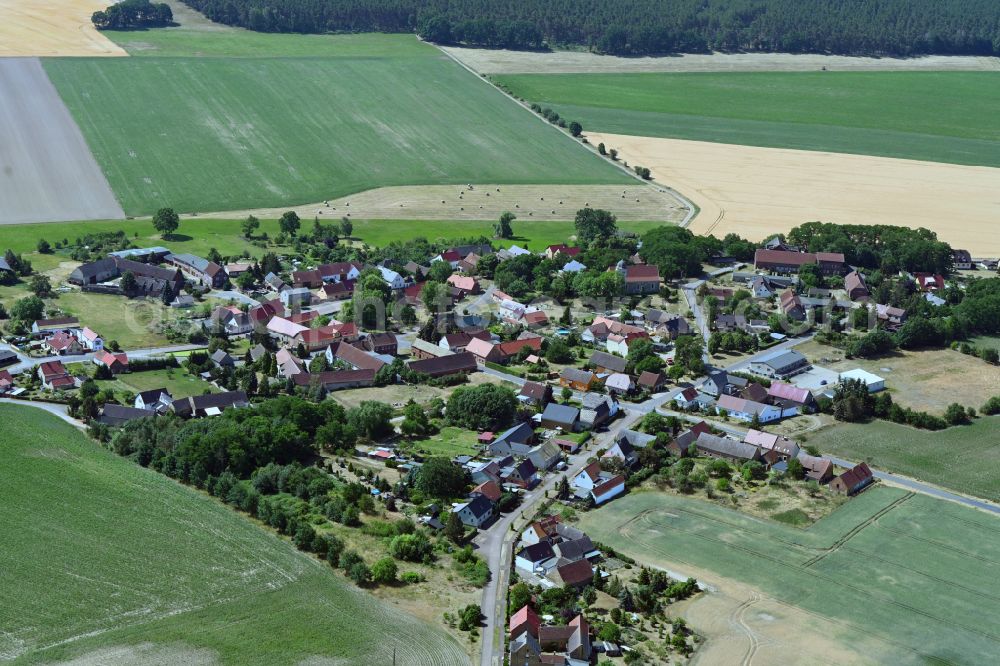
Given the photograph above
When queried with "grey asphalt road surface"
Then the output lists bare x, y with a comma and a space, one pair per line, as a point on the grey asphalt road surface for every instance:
60, 411
47, 172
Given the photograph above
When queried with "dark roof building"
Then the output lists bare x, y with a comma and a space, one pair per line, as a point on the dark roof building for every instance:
445, 365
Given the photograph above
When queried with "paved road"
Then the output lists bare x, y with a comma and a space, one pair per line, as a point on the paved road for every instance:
496, 542
60, 411
237, 296
33, 362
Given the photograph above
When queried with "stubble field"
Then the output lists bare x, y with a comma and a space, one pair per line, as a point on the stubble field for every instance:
756, 192
890, 576
53, 28
111, 563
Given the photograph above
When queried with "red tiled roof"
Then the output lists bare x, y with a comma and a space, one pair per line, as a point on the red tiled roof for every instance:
608, 485
642, 273
514, 346
789, 392
856, 475
52, 368
489, 489
523, 620
577, 572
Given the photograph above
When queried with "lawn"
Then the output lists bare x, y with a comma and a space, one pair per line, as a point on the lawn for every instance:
934, 116
963, 458
109, 562
910, 574
450, 442
129, 322
178, 382
256, 121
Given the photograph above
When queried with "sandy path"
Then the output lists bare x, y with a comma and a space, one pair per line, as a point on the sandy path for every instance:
638, 202
759, 191
47, 172
572, 62
53, 28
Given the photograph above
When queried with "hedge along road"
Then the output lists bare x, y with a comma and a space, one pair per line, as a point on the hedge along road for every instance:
47, 172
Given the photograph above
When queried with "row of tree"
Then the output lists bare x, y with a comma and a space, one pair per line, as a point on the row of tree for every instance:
132, 14
642, 27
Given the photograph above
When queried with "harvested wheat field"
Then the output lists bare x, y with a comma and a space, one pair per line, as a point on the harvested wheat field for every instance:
756, 192
638, 202
53, 28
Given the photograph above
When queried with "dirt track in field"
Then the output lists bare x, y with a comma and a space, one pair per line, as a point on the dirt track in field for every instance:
47, 172
490, 61
756, 192
53, 28
638, 202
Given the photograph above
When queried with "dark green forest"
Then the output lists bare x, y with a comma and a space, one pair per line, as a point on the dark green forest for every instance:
638, 27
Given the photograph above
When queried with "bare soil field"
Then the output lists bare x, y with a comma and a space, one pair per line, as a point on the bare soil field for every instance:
47, 172
756, 192
924, 380
490, 61
53, 28
638, 202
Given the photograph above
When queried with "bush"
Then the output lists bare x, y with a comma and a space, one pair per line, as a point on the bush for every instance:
384, 571
412, 577
410, 547
360, 573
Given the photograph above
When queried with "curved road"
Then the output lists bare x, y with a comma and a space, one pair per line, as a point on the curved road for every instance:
60, 411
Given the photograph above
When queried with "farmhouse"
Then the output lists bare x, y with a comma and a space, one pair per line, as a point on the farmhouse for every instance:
67, 325
205, 272
421, 349
791, 305
466, 283
296, 297
445, 365
817, 469
619, 383
458, 342
311, 279
63, 344
516, 440
853, 480
622, 451
961, 260
283, 330
382, 343
727, 449
335, 380
341, 271
535, 556
55, 377
354, 357
115, 362
854, 285
545, 456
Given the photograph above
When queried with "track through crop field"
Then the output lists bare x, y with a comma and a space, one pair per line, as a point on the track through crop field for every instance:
910, 574
290, 119
111, 563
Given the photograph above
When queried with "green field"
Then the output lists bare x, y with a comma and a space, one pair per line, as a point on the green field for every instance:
262, 120
102, 558
450, 441
916, 574
963, 458
934, 116
178, 381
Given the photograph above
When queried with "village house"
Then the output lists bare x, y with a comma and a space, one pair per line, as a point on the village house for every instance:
853, 480
421, 349
667, 324
535, 394
608, 490
8, 357
619, 344
643, 279
576, 379
153, 400
961, 260
516, 440
209, 404
115, 362
602, 327
816, 469
476, 512
534, 644
791, 398
597, 410
523, 474
334, 291
623, 452
545, 456
890, 316
444, 366
382, 343
466, 283
534, 557
552, 250
392, 278
619, 383
791, 305
309, 279
288, 363
336, 380
565, 417
284, 331
63, 344
652, 382
604, 362
205, 272
745, 410
342, 271
854, 285
687, 398
759, 287
534, 319
55, 377
115, 416
929, 282
315, 339
296, 297
357, 358
781, 447
714, 446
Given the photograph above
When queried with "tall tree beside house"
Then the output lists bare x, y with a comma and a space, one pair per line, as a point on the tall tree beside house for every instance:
166, 221
346, 227
437, 477
128, 282
454, 529
168, 295
214, 256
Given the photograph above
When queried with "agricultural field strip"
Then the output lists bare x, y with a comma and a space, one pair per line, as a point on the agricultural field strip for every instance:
131, 566
756, 547
47, 172
366, 122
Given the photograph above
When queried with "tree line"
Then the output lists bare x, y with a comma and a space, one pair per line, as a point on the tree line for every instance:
132, 14
643, 27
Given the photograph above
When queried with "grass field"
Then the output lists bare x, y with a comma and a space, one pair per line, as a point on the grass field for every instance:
965, 459
104, 558
935, 116
911, 575
179, 382
130, 322
927, 380
251, 121
197, 236
451, 441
